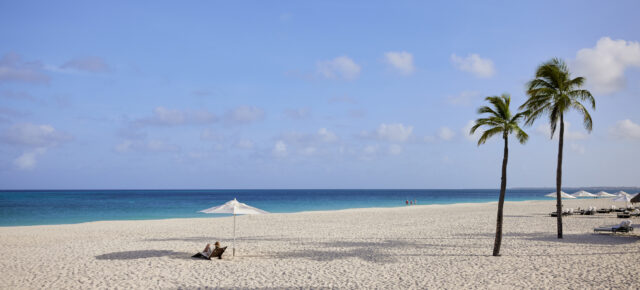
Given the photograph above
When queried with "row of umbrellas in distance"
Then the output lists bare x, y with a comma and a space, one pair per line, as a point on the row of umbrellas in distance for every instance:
618, 196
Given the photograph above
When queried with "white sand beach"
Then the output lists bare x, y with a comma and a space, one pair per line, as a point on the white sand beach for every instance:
424, 246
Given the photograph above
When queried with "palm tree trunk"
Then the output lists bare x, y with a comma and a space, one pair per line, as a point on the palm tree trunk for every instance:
559, 177
503, 189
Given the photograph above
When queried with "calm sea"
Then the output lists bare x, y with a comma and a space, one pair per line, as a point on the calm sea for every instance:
18, 208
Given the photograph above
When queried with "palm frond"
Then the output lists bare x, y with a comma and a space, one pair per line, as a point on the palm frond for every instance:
586, 117
554, 117
488, 134
583, 95
521, 135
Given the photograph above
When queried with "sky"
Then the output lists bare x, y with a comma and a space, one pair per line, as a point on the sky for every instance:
306, 94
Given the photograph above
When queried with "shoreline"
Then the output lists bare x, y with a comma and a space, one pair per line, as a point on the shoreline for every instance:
304, 211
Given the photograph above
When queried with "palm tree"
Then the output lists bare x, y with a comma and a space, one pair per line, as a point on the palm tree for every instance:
500, 121
553, 92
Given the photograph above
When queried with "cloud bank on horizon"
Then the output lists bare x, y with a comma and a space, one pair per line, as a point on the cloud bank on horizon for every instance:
252, 99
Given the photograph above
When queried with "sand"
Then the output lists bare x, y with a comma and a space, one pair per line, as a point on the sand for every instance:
424, 246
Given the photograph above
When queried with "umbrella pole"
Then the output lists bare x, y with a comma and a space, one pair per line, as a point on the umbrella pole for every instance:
234, 234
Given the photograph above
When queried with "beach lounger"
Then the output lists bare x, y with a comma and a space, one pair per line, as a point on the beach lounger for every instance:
216, 253
624, 215
623, 227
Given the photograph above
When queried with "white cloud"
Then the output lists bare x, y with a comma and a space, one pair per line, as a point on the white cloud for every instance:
465, 98
169, 117
245, 114
369, 152
395, 149
473, 63
308, 150
89, 64
626, 129
145, 146
27, 160
604, 65
545, 131
402, 61
14, 69
472, 137
209, 134
28, 134
446, 134
327, 136
341, 67
297, 114
396, 132
280, 149
244, 144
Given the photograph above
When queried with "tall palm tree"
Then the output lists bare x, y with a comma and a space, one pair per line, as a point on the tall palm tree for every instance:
500, 121
553, 92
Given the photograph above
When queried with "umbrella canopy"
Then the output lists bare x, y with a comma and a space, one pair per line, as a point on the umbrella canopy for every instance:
583, 193
234, 207
562, 195
636, 198
622, 197
604, 194
619, 193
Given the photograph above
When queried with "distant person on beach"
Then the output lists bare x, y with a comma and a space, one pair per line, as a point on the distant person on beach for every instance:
406, 201
411, 202
207, 250
415, 201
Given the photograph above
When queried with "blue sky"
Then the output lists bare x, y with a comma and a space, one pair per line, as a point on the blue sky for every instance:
289, 94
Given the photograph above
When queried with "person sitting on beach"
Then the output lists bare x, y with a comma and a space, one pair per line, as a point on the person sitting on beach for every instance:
208, 251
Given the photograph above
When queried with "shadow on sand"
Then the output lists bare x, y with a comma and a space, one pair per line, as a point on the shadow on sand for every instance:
143, 254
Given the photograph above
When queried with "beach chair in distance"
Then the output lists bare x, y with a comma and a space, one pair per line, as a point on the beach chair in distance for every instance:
217, 253
624, 215
623, 227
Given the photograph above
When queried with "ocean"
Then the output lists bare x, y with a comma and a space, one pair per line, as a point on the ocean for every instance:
46, 207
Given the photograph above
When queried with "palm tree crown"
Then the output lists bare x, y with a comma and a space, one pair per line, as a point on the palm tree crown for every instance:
500, 120
553, 92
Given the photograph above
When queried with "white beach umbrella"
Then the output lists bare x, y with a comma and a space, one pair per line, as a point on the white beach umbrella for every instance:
562, 195
234, 207
619, 193
623, 197
583, 193
604, 194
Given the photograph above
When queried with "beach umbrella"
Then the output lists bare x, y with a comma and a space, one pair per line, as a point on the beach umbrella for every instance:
562, 195
636, 198
619, 193
583, 193
604, 194
623, 197
234, 207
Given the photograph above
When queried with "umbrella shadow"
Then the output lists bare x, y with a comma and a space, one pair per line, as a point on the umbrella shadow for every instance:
183, 239
143, 254
587, 239
382, 252
366, 254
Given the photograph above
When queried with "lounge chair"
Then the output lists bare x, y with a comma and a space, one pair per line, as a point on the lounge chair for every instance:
623, 227
216, 253
624, 215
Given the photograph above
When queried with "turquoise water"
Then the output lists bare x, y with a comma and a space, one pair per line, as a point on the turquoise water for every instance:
74, 206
